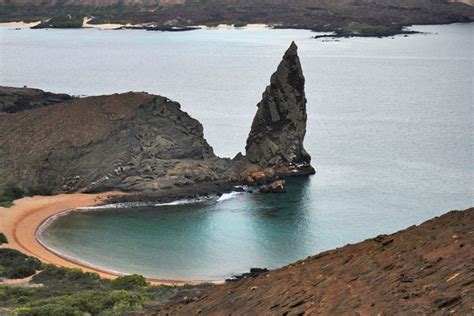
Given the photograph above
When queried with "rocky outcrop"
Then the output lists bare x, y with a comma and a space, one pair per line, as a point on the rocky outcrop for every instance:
278, 186
140, 142
279, 127
14, 100
129, 142
423, 270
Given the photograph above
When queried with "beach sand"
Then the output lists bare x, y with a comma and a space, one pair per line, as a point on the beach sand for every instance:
20, 222
19, 25
108, 26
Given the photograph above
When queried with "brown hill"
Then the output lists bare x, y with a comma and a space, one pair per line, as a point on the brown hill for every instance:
124, 141
423, 270
91, 3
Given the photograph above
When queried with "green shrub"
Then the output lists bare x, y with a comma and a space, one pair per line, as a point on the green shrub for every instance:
40, 191
14, 192
22, 311
3, 239
68, 281
91, 302
17, 265
240, 24
73, 292
11, 193
129, 282
49, 310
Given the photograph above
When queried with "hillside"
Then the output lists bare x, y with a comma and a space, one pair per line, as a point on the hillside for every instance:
90, 3
322, 15
423, 270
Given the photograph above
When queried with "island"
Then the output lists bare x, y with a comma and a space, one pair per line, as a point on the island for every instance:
340, 18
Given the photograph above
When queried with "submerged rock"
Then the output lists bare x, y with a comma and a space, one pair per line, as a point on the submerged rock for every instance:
279, 127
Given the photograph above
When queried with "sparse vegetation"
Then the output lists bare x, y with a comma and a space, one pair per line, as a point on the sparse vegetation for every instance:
3, 239
240, 24
129, 282
366, 28
73, 292
61, 21
11, 193
15, 265
327, 17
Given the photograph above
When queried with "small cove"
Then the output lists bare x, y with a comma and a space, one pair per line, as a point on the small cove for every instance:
389, 130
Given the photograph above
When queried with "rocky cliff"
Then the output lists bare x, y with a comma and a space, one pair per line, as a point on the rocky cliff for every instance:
132, 141
279, 127
145, 143
14, 100
423, 270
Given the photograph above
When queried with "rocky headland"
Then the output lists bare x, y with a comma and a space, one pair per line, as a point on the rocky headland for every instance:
145, 144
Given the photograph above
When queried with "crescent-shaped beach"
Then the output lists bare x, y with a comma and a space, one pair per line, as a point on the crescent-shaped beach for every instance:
21, 222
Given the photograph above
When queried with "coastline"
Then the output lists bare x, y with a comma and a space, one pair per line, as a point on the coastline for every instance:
21, 222
20, 24
117, 26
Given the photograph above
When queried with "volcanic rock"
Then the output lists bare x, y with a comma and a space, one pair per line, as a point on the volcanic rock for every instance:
278, 186
279, 127
14, 100
129, 142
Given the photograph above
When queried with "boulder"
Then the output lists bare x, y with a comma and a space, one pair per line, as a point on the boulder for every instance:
278, 186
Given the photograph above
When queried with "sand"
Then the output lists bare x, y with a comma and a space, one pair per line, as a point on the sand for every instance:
107, 26
19, 25
20, 222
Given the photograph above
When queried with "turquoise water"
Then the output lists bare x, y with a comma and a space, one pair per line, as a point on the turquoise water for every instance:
390, 130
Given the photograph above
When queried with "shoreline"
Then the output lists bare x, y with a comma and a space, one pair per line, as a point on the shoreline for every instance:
324, 35
21, 223
118, 26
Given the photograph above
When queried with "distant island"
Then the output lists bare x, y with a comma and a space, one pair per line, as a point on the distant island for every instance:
341, 18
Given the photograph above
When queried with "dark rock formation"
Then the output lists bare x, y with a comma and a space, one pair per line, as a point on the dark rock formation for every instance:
145, 143
423, 270
279, 127
14, 100
252, 274
278, 186
132, 141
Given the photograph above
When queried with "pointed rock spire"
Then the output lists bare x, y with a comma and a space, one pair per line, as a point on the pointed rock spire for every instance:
278, 128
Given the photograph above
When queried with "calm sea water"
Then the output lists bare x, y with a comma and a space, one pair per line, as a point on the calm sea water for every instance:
390, 130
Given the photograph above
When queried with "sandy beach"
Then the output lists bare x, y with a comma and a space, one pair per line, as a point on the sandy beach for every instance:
19, 25
107, 26
20, 222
